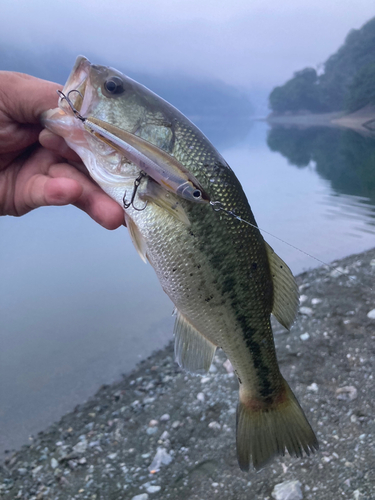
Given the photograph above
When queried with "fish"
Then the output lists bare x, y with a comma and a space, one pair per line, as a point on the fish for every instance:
221, 275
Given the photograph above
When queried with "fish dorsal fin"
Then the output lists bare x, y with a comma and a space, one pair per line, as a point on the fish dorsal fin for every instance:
137, 238
285, 290
165, 200
194, 353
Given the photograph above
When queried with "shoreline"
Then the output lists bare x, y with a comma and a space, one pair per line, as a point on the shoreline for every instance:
362, 121
105, 448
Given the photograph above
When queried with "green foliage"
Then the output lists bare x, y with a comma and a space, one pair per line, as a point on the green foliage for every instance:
301, 92
335, 89
362, 89
345, 158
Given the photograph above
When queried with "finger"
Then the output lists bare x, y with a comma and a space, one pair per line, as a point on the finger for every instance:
57, 144
97, 204
25, 97
43, 190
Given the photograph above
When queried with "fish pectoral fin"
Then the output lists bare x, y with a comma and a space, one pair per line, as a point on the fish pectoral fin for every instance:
193, 352
285, 290
165, 200
137, 238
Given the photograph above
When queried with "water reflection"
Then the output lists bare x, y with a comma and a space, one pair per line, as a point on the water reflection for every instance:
343, 157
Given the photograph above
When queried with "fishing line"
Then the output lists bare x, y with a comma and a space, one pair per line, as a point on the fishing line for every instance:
218, 206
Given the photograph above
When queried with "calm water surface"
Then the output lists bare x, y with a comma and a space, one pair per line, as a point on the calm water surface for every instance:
79, 307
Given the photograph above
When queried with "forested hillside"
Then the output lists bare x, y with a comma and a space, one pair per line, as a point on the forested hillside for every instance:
347, 83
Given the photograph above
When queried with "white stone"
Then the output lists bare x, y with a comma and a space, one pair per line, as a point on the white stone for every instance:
303, 299
228, 366
153, 489
200, 396
162, 457
205, 379
54, 463
306, 311
315, 302
81, 446
164, 436
214, 425
313, 387
165, 417
112, 456
371, 314
176, 424
153, 423
288, 490
304, 336
143, 496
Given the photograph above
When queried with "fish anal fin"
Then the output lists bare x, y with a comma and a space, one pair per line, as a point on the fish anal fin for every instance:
193, 352
285, 290
264, 431
137, 238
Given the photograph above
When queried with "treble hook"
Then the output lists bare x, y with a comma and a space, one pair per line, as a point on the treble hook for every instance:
67, 99
137, 183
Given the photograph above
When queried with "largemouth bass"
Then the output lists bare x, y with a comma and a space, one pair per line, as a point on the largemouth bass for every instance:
223, 278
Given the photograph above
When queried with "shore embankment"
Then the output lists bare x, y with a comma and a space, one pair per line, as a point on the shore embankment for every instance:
162, 434
362, 121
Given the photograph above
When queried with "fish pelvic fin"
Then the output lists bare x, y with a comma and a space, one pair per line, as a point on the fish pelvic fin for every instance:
193, 352
266, 430
285, 290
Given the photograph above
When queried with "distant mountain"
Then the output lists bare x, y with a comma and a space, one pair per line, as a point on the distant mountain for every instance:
221, 111
347, 83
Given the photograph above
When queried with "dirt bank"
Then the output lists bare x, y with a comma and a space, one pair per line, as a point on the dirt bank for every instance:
362, 121
107, 446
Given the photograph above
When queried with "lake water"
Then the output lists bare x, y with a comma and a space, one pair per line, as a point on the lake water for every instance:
79, 308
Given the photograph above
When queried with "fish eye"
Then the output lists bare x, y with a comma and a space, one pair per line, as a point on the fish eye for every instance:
114, 85
197, 193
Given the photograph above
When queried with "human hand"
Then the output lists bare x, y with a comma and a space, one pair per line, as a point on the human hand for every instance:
35, 174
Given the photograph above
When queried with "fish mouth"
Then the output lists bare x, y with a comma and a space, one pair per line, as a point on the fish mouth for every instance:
78, 88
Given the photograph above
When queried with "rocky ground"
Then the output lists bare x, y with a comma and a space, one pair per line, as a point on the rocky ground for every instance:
162, 434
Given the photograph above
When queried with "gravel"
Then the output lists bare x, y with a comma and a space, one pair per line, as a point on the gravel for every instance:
162, 434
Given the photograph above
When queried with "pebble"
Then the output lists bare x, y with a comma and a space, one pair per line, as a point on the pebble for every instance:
339, 271
153, 489
164, 436
143, 496
288, 490
175, 424
80, 447
205, 379
313, 387
153, 423
304, 336
303, 298
152, 430
306, 311
315, 301
200, 396
112, 456
349, 392
22, 471
371, 314
162, 457
54, 463
214, 425
228, 366
165, 417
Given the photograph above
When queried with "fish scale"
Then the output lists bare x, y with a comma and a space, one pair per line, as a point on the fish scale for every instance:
219, 272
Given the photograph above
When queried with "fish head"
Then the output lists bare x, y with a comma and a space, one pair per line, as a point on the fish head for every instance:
105, 93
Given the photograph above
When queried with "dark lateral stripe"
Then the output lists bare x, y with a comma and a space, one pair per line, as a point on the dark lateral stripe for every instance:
266, 388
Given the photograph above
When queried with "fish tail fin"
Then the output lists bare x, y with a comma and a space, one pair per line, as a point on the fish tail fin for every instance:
266, 430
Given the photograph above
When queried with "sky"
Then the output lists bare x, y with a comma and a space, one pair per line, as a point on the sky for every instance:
250, 44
